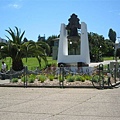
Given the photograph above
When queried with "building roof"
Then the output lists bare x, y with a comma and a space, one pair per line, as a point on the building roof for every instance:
3, 40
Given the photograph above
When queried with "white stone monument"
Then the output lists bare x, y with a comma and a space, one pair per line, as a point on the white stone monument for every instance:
63, 56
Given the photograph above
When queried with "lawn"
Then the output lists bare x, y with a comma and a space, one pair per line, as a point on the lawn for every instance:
31, 63
108, 58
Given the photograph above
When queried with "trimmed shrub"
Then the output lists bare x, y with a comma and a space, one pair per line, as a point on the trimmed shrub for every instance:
77, 78
41, 78
80, 78
22, 78
95, 78
87, 77
31, 78
70, 78
51, 77
56, 77
14, 80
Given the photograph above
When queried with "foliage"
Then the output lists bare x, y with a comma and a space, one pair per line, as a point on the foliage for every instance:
14, 80
112, 35
41, 38
51, 77
23, 78
31, 78
109, 51
79, 78
13, 48
16, 49
96, 46
87, 77
41, 78
55, 76
95, 78
99, 47
38, 50
70, 78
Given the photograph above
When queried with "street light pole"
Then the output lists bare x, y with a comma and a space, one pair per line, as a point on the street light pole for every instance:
99, 53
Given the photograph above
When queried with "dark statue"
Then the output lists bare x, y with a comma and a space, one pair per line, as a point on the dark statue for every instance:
73, 26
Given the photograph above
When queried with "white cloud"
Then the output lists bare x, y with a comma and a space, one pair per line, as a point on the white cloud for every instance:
116, 12
16, 6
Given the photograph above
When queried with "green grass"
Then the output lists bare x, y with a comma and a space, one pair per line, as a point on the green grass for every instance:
108, 58
31, 63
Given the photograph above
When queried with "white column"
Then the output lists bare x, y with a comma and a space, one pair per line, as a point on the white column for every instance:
85, 54
63, 44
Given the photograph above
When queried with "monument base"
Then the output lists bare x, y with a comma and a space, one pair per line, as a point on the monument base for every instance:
77, 68
78, 64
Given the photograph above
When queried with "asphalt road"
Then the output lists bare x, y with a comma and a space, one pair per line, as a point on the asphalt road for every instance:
59, 104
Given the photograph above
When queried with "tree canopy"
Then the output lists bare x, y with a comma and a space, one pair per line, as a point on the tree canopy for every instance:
112, 35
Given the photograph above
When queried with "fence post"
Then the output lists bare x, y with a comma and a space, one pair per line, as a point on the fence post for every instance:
10, 74
101, 74
25, 76
61, 76
119, 71
115, 72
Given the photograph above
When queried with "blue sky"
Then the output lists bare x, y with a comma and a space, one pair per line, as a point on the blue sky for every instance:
45, 16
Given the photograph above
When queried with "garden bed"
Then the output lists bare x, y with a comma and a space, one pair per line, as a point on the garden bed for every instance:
53, 83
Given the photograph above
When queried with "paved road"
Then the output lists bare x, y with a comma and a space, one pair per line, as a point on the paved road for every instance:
59, 104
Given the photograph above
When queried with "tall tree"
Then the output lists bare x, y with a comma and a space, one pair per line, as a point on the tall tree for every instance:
97, 46
13, 48
112, 35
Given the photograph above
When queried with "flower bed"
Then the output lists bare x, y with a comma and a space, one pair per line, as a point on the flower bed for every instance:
49, 80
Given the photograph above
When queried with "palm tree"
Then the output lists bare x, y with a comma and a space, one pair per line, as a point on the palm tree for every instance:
17, 49
38, 50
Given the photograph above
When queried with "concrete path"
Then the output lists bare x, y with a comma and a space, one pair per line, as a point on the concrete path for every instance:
104, 63
59, 104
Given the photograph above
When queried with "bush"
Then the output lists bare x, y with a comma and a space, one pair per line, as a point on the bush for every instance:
95, 78
70, 78
51, 77
14, 80
87, 77
22, 78
80, 78
56, 77
30, 78
41, 78
77, 78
